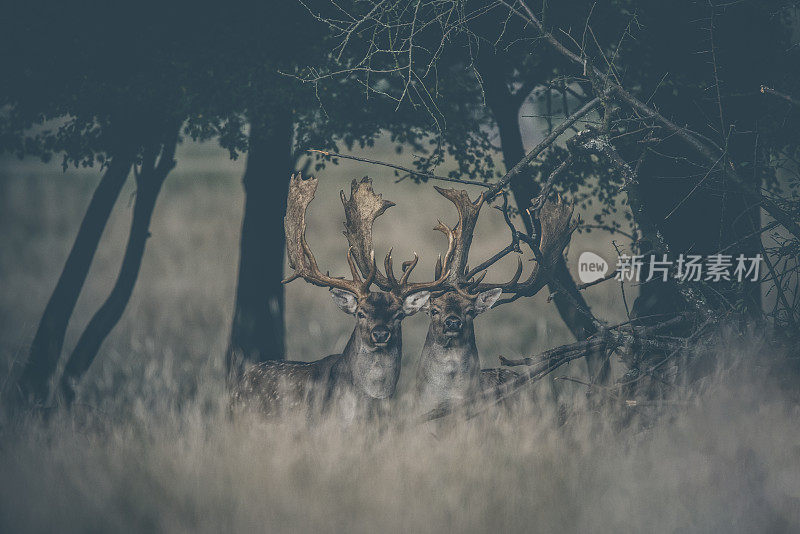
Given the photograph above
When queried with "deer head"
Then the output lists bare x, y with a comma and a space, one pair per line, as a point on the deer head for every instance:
452, 315
374, 350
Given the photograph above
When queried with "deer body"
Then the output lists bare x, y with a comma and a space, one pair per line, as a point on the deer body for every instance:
271, 387
324, 386
351, 383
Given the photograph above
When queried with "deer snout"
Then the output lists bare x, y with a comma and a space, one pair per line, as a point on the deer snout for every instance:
453, 323
380, 334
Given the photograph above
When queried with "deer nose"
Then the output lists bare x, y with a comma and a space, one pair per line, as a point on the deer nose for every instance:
452, 323
381, 334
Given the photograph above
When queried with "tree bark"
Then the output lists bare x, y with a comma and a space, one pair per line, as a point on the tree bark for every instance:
149, 182
257, 331
33, 383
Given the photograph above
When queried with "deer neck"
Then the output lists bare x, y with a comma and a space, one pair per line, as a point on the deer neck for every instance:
448, 371
453, 356
370, 371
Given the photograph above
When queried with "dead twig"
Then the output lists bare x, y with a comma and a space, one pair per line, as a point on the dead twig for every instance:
769, 90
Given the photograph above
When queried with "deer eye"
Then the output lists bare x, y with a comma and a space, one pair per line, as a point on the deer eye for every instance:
434, 312
361, 315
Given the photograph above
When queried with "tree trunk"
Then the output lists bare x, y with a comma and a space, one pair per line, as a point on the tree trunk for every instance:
505, 109
33, 382
257, 332
695, 221
149, 183
525, 189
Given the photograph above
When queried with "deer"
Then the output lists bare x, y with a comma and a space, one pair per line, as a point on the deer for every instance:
355, 381
449, 371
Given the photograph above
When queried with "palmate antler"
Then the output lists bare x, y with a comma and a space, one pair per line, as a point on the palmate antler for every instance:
459, 237
459, 240
301, 259
361, 210
554, 220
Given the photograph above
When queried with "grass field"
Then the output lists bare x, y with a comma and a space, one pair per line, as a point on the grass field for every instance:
150, 448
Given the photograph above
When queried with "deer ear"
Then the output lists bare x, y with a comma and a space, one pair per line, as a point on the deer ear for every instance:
346, 301
486, 300
415, 302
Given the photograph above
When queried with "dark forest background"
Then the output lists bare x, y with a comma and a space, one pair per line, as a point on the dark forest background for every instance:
146, 150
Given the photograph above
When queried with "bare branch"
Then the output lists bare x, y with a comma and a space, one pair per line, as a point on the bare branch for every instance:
546, 362
690, 138
401, 168
517, 169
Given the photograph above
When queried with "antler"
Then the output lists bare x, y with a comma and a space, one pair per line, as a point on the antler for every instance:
301, 259
361, 210
552, 217
403, 287
459, 242
555, 222
460, 236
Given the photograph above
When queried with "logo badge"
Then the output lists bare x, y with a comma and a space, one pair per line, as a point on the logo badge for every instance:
591, 267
